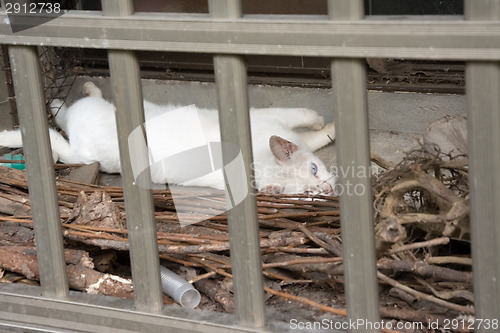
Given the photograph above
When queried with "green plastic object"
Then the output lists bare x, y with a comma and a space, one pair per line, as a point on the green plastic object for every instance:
11, 157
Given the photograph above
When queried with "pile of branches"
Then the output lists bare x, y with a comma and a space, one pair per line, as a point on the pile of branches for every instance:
429, 190
94, 217
299, 237
425, 201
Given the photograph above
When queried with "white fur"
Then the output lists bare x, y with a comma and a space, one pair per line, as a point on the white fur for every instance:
91, 128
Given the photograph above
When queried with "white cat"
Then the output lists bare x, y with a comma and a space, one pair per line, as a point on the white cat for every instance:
283, 158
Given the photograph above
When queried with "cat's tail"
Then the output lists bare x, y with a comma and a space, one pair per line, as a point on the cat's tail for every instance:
11, 139
61, 149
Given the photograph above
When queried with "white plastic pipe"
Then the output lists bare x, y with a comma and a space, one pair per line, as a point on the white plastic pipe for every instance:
179, 289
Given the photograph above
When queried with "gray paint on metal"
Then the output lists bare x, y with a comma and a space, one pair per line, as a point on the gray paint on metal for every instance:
41, 177
141, 224
353, 154
274, 35
234, 118
483, 108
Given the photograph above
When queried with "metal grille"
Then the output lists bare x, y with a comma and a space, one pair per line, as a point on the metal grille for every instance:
345, 37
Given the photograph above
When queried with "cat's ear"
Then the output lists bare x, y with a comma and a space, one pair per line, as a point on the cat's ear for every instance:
282, 149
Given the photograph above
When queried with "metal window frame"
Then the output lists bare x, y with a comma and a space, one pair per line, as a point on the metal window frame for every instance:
483, 108
243, 222
350, 108
268, 35
141, 224
347, 38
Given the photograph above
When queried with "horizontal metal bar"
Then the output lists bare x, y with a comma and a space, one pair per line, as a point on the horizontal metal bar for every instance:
22, 304
417, 18
297, 17
457, 40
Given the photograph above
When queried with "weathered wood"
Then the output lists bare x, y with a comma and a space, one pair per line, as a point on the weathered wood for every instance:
181, 249
388, 232
430, 298
88, 174
96, 209
79, 269
13, 176
216, 292
425, 270
452, 217
22, 260
94, 282
14, 204
447, 135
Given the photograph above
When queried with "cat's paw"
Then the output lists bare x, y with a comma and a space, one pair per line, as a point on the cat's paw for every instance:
313, 120
272, 189
91, 90
319, 124
329, 129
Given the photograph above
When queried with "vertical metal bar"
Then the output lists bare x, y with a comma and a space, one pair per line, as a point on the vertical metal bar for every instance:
8, 111
41, 179
232, 93
483, 107
353, 152
141, 225
225, 9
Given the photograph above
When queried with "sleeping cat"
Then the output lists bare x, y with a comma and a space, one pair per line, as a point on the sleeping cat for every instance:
283, 158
